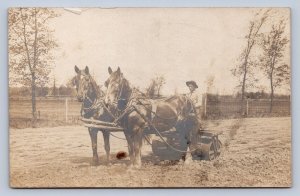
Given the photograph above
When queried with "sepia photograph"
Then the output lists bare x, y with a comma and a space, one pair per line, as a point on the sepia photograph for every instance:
149, 97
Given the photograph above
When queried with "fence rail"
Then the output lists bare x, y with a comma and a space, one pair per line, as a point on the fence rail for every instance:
49, 110
66, 110
227, 108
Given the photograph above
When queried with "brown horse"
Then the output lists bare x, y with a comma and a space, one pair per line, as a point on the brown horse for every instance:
90, 95
161, 115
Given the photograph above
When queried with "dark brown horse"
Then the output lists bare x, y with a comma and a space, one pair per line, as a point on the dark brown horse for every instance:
160, 115
90, 95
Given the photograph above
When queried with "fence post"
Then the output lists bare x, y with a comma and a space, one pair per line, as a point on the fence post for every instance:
247, 107
205, 104
66, 109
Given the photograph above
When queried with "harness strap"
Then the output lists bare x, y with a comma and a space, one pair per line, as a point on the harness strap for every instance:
108, 111
95, 105
153, 111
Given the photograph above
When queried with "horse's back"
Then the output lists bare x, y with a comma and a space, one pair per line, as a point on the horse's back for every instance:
165, 113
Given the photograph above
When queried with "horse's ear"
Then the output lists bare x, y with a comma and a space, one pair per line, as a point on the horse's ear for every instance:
86, 70
76, 69
109, 70
118, 70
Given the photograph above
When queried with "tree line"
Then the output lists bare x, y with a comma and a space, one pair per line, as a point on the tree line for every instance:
45, 91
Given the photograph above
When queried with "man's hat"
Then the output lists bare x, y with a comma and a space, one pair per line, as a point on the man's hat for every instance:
192, 82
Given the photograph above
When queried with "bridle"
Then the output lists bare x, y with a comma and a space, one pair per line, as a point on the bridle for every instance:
94, 103
120, 84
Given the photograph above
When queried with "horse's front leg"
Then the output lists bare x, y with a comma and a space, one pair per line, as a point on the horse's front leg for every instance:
138, 142
93, 134
129, 138
106, 145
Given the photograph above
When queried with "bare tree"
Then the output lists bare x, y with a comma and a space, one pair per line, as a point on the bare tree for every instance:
160, 81
30, 45
244, 69
54, 90
155, 86
273, 45
209, 83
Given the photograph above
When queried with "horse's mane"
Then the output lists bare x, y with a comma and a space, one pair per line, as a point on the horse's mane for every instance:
127, 89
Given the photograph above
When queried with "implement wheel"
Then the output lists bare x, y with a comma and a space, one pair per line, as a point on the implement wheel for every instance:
208, 147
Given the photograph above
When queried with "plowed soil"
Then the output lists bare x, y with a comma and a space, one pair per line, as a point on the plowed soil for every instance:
256, 152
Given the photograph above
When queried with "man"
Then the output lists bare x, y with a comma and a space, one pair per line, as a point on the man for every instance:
194, 115
195, 97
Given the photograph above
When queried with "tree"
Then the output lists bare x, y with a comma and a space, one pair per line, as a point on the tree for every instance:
273, 45
66, 90
209, 83
54, 91
160, 81
155, 86
42, 91
30, 48
246, 66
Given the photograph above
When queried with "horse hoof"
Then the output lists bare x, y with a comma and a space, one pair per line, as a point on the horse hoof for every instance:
137, 166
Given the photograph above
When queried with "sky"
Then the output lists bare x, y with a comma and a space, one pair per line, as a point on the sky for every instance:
180, 44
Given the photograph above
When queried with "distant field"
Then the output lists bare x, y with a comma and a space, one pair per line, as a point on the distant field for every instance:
50, 112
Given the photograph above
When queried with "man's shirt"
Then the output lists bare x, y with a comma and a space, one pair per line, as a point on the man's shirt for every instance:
196, 98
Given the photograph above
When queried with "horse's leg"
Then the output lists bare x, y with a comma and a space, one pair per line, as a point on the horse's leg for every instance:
130, 146
138, 142
134, 136
106, 145
93, 134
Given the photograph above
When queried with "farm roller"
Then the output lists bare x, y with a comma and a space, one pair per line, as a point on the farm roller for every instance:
206, 146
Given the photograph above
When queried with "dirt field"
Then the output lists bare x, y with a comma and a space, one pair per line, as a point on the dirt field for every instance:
256, 152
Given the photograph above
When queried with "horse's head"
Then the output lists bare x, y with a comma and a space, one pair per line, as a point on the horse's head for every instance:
113, 84
118, 89
85, 85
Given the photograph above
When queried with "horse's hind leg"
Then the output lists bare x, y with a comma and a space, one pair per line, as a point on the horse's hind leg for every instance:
106, 145
93, 134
